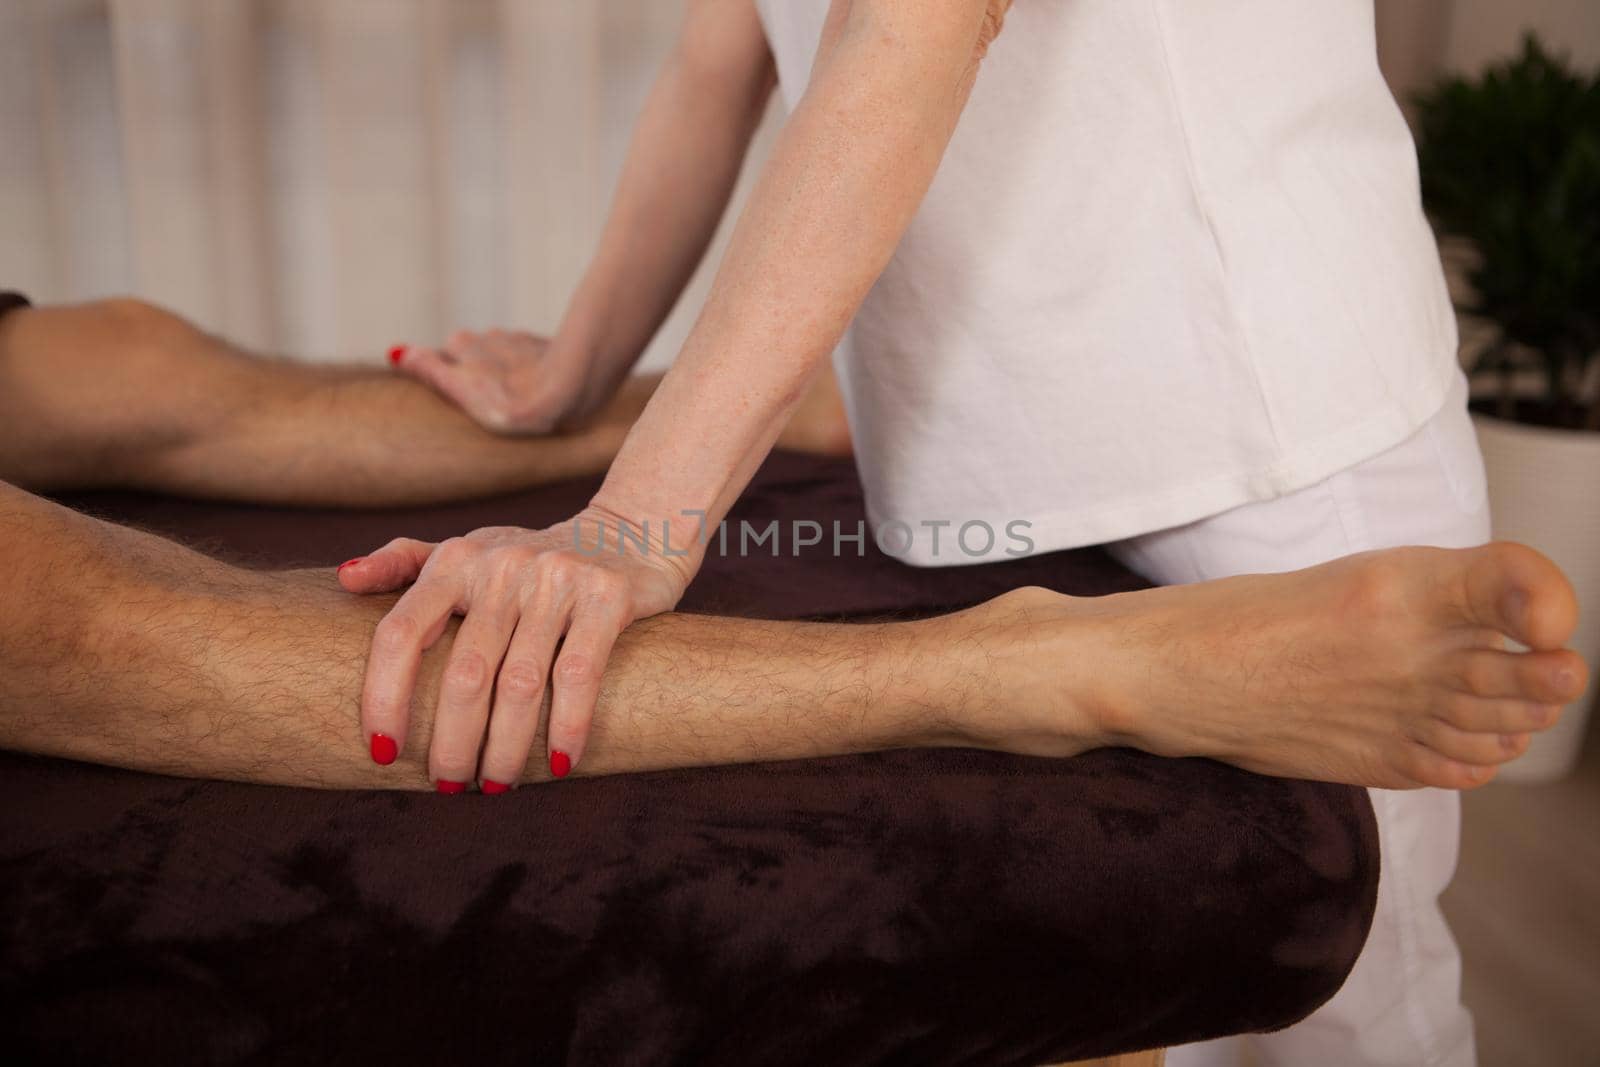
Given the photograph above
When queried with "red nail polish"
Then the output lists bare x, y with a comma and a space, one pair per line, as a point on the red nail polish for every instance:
349, 563
384, 750
445, 785
492, 788
395, 355
560, 763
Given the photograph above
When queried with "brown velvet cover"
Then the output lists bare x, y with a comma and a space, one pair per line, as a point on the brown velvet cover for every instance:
915, 907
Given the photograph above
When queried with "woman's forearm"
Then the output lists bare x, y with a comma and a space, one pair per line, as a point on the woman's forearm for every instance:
679, 174
844, 181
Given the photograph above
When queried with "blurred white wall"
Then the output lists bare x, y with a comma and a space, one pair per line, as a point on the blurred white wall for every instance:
322, 178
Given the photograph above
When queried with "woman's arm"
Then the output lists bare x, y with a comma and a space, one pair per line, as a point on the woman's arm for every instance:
855, 160
850, 170
682, 163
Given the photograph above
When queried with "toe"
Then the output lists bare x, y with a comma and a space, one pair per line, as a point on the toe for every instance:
1424, 766
1496, 716
1557, 677
1518, 592
1479, 748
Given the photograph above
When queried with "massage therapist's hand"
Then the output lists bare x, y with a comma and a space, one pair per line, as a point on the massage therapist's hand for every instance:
523, 593
510, 382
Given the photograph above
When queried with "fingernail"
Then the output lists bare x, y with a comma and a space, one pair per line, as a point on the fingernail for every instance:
445, 785
560, 763
395, 355
1508, 742
492, 788
349, 563
384, 750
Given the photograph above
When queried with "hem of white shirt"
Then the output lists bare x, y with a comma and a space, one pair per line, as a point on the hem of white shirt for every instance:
1303, 466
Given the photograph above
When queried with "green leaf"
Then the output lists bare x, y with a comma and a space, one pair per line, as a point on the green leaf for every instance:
1511, 161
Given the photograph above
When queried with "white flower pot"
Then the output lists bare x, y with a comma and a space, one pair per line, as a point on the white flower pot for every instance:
1544, 491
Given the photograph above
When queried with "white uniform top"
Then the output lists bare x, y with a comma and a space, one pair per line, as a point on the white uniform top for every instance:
1173, 261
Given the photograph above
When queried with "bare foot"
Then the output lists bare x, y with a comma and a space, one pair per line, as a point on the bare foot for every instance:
1382, 669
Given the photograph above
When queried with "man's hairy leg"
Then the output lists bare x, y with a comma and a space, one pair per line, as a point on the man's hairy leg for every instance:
1383, 669
121, 394
134, 651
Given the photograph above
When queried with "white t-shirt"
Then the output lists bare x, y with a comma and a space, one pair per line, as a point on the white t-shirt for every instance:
1173, 261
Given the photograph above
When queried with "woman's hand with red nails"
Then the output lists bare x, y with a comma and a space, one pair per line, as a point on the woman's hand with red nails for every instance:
511, 382
539, 606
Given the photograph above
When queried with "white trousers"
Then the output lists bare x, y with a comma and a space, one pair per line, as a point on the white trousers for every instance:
1402, 1003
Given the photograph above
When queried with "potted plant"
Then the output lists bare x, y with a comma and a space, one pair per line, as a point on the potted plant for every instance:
1510, 164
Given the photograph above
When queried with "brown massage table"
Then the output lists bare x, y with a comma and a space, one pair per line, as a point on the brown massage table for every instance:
913, 907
